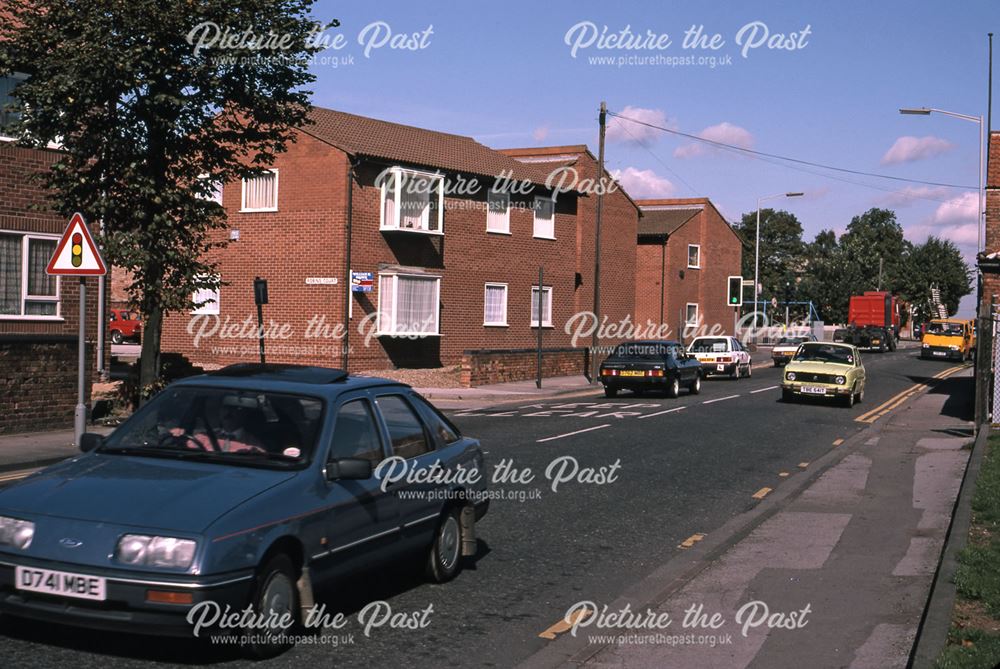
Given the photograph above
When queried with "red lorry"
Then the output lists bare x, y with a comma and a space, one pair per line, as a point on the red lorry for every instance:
873, 321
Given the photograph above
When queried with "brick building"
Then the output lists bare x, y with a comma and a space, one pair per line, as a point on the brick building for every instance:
989, 260
39, 315
686, 250
450, 257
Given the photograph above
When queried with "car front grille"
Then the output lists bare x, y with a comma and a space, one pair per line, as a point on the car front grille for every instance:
815, 378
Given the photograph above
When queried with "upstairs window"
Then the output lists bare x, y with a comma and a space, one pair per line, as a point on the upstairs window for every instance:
691, 315
207, 301
412, 201
260, 193
545, 218
694, 256
9, 113
498, 212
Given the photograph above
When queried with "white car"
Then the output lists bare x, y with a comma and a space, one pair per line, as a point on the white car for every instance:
721, 355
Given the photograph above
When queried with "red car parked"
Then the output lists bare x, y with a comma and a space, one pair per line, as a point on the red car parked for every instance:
124, 325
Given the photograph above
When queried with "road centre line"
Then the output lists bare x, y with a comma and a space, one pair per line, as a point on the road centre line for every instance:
570, 434
760, 390
16, 476
660, 413
721, 399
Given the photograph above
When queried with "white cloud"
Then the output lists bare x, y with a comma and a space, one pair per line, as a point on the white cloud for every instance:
627, 132
724, 132
963, 235
907, 149
959, 209
644, 183
906, 196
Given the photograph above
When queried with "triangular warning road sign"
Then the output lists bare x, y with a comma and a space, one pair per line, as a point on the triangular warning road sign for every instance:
76, 254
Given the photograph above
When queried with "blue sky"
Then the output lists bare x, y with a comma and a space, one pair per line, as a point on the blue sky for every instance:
504, 74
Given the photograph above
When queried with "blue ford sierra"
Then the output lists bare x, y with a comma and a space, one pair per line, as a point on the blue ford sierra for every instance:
245, 487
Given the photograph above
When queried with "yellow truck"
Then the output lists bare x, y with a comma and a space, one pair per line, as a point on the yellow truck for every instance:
948, 339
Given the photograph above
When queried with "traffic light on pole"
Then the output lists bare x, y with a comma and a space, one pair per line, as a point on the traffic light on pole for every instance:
735, 294
77, 249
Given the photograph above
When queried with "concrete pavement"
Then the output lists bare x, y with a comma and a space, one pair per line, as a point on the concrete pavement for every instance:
847, 560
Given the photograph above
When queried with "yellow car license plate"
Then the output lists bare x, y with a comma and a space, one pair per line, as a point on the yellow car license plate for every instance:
632, 372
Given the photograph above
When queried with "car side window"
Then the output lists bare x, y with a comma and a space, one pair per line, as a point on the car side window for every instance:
355, 434
438, 424
406, 432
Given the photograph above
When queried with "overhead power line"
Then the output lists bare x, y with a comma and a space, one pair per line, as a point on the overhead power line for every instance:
763, 154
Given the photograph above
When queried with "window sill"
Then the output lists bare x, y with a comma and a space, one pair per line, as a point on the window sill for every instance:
546, 326
414, 231
259, 211
496, 325
542, 237
20, 317
408, 335
694, 266
506, 233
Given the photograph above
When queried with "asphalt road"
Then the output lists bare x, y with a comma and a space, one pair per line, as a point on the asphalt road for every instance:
677, 467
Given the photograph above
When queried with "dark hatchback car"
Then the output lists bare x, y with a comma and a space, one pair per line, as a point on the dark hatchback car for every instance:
246, 487
651, 365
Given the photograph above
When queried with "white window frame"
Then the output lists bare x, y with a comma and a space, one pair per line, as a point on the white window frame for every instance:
547, 302
688, 323
698, 265
492, 284
25, 297
505, 229
209, 308
380, 328
552, 221
243, 195
396, 174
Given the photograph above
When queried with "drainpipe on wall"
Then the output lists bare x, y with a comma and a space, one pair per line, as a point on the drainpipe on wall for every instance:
102, 320
347, 264
663, 276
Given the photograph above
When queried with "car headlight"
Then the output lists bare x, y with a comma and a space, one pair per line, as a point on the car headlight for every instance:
140, 549
953, 347
840, 380
790, 376
16, 532
927, 345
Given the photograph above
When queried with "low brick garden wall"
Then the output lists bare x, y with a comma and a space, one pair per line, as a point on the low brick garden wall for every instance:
38, 382
486, 366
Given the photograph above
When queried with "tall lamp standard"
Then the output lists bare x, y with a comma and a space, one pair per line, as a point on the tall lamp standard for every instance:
756, 257
926, 111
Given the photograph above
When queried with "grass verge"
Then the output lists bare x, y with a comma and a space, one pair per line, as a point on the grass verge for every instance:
974, 637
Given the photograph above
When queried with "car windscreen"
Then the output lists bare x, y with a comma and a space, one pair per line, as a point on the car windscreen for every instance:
709, 345
790, 341
228, 425
813, 352
945, 329
645, 351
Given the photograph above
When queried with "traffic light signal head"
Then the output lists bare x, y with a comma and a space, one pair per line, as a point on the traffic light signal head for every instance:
735, 292
77, 250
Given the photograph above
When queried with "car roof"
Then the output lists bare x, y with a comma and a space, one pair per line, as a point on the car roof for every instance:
289, 378
669, 342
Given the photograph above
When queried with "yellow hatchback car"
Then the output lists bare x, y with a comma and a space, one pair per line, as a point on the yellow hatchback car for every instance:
825, 370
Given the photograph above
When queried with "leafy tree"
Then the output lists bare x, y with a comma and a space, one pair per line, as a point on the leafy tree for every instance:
875, 251
781, 249
935, 262
823, 281
149, 124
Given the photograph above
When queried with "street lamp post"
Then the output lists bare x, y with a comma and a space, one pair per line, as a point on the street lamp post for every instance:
926, 111
756, 257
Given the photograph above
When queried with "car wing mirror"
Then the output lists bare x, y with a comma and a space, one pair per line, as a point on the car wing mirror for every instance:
90, 441
349, 469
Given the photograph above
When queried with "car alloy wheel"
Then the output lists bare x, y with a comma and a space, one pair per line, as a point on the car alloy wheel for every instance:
275, 595
116, 337
749, 369
674, 389
736, 372
444, 560
860, 397
850, 399
696, 385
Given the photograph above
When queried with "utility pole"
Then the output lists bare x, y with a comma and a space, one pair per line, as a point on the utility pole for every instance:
879, 273
602, 123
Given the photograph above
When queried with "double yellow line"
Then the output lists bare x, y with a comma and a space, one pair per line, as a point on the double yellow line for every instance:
896, 400
10, 477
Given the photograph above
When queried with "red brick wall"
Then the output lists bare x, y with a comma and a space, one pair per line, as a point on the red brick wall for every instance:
306, 238
46, 371
720, 257
501, 366
991, 282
